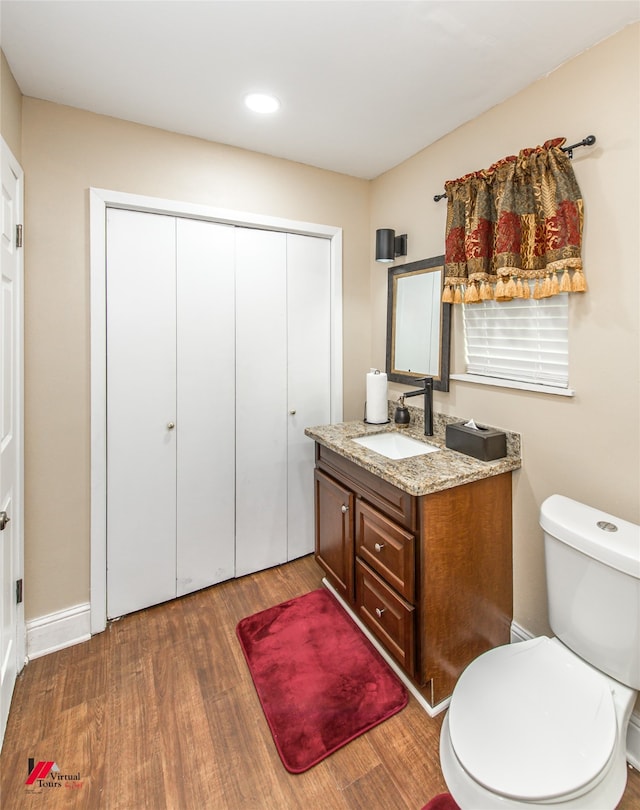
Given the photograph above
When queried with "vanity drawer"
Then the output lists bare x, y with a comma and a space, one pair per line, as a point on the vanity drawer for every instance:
387, 615
389, 499
388, 548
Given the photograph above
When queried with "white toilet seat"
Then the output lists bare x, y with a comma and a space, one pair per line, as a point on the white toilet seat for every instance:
532, 722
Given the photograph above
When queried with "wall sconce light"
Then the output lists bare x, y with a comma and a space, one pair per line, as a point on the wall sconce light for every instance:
388, 245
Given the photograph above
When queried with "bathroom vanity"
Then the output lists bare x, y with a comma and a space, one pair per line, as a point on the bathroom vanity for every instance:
418, 548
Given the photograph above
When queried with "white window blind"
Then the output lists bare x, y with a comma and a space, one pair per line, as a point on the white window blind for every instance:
525, 340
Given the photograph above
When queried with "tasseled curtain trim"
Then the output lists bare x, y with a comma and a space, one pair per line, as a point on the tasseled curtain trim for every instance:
519, 220
506, 289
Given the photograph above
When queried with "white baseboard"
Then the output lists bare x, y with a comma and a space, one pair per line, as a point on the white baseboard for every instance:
519, 633
55, 631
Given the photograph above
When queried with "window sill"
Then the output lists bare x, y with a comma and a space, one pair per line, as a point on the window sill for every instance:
521, 386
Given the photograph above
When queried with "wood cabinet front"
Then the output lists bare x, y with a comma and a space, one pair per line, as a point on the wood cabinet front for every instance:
334, 533
429, 576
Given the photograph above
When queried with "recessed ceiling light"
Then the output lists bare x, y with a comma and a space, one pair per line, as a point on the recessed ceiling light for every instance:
262, 103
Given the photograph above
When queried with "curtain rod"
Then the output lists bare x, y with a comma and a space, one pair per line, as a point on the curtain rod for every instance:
588, 141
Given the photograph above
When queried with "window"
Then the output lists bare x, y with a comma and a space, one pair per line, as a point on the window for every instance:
523, 340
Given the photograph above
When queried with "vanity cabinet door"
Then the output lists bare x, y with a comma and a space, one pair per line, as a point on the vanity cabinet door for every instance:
334, 533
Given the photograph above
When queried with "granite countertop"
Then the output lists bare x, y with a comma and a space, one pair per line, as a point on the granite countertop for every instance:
419, 475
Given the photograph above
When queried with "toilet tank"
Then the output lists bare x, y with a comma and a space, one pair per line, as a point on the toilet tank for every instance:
592, 562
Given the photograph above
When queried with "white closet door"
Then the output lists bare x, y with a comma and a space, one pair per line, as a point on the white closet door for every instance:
309, 377
205, 424
141, 408
218, 357
261, 400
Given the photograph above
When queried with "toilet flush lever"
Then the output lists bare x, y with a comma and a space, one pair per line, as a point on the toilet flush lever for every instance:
4, 519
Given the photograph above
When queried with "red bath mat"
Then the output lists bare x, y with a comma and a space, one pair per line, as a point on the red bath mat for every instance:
320, 681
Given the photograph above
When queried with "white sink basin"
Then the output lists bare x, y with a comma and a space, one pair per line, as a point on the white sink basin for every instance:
395, 445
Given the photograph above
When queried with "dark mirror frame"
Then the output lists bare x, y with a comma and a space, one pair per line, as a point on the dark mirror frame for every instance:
441, 381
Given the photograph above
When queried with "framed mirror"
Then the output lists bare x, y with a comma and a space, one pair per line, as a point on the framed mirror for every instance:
418, 324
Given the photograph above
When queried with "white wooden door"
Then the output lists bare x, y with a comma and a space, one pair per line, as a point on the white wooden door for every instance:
206, 396
170, 413
308, 378
141, 410
261, 399
11, 450
283, 384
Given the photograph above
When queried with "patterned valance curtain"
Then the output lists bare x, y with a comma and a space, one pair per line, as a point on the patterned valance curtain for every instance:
519, 220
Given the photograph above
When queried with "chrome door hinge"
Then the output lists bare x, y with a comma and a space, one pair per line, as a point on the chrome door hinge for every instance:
18, 235
18, 591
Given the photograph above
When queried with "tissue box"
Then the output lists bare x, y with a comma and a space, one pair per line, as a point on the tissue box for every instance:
482, 443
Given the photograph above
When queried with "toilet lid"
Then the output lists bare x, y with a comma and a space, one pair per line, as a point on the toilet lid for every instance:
531, 721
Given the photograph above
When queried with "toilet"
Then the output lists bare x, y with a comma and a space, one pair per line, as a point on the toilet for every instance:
543, 722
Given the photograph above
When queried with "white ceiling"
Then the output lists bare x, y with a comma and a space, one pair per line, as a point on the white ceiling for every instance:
363, 85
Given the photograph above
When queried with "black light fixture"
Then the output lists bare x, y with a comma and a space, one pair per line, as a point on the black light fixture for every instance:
388, 245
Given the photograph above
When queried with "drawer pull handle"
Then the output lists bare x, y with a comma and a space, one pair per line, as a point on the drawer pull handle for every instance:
344, 509
378, 547
379, 612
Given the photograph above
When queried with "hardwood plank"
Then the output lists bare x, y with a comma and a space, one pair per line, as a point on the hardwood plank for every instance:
89, 665
132, 757
184, 739
240, 738
160, 712
347, 767
213, 654
374, 789
409, 745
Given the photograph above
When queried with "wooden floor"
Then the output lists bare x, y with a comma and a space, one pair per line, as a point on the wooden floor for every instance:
159, 713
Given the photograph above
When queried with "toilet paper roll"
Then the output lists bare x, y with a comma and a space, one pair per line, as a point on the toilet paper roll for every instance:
376, 409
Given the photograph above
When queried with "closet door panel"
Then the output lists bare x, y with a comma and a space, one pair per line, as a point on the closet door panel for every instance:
205, 424
141, 405
261, 400
309, 377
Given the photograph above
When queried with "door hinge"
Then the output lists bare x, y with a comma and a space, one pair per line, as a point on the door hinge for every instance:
18, 591
18, 235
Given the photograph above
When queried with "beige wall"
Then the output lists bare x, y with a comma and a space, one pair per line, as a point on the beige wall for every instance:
10, 109
65, 151
586, 447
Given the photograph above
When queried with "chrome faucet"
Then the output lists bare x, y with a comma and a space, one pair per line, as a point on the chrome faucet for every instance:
428, 403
